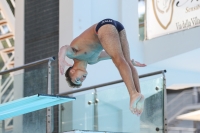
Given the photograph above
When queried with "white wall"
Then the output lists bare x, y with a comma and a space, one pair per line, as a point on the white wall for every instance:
65, 34
19, 59
171, 45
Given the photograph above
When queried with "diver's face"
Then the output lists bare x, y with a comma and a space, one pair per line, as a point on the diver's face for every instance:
78, 76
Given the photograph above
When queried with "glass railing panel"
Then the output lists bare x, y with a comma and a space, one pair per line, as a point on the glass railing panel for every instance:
78, 114
152, 119
22, 84
35, 81
113, 110
114, 104
54, 90
107, 109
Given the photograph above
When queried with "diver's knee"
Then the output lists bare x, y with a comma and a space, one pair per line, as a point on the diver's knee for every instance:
118, 60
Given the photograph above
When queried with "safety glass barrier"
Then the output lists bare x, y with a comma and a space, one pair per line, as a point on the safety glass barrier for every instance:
152, 119
20, 84
106, 109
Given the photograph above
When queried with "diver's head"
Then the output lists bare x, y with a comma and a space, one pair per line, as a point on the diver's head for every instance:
75, 77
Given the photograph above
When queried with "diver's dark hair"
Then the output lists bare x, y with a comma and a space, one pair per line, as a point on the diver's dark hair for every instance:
68, 79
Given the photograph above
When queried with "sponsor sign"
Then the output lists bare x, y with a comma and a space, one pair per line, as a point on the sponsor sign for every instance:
168, 16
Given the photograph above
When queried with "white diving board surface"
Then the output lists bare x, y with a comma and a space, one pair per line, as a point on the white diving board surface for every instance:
30, 104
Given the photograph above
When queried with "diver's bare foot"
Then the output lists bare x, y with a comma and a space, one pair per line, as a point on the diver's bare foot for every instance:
134, 99
138, 64
140, 105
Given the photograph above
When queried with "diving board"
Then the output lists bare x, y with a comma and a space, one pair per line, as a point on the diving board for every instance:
30, 104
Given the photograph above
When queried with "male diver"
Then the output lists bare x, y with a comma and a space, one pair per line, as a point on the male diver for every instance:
88, 47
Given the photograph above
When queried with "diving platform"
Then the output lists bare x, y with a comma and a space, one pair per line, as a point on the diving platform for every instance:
30, 104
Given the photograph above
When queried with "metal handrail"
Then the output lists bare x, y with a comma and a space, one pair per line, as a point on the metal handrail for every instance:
28, 65
109, 83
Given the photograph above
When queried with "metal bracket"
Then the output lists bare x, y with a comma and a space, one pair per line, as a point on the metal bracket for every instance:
165, 103
49, 116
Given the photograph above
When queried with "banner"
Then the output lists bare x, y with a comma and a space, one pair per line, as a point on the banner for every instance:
169, 16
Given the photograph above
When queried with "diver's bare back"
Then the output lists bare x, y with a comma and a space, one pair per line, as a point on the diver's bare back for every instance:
87, 45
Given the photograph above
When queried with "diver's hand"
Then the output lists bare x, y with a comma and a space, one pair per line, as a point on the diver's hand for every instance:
138, 64
61, 57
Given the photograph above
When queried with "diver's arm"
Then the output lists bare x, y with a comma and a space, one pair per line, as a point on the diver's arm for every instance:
61, 57
103, 56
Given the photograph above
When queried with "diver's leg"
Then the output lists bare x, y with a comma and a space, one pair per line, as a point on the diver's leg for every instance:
126, 53
109, 38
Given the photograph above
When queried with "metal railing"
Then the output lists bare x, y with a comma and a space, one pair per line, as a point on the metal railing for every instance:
50, 59
46, 60
111, 83
120, 81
